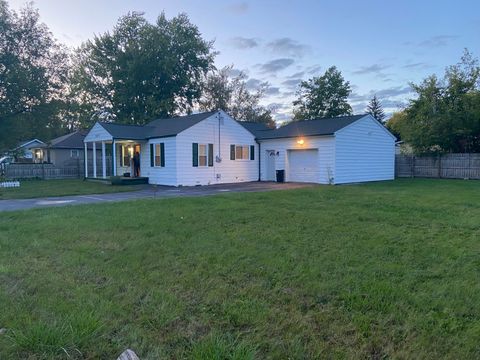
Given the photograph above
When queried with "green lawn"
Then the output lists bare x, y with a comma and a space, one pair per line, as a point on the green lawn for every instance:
384, 270
43, 188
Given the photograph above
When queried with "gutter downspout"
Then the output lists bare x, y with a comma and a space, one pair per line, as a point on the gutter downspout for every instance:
259, 161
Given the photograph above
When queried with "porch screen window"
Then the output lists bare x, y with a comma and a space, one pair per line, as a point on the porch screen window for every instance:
126, 155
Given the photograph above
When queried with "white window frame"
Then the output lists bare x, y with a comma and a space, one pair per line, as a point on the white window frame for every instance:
206, 155
72, 151
242, 150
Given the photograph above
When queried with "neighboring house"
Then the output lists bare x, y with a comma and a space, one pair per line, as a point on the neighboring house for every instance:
27, 151
213, 148
66, 150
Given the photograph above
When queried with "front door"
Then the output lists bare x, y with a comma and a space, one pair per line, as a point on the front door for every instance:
270, 172
136, 160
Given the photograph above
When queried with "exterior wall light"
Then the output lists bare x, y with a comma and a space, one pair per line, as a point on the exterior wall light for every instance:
301, 141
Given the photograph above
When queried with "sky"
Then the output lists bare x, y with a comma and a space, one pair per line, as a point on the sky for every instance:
379, 46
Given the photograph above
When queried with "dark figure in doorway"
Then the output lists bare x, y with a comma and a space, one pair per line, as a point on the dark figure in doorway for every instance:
136, 165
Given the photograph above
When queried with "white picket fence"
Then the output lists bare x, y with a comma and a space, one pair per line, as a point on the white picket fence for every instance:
9, 184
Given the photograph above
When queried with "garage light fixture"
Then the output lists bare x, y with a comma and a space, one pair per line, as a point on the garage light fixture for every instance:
300, 141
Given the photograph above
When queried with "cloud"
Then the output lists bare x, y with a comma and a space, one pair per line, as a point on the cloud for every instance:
253, 84
238, 8
282, 117
287, 46
297, 75
271, 90
372, 69
235, 72
276, 65
437, 41
419, 65
243, 43
292, 83
313, 70
393, 91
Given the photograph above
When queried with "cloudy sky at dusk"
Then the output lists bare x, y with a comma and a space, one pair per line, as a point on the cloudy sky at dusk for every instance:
380, 46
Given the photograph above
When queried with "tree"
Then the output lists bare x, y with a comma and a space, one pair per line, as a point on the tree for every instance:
445, 115
396, 123
323, 96
33, 70
375, 109
141, 71
221, 91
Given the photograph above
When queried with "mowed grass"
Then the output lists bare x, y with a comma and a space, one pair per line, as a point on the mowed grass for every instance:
381, 270
44, 188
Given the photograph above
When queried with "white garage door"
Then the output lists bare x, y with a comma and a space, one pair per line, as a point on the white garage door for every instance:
303, 165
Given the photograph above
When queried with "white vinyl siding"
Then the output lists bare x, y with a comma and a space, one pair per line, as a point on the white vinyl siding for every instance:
325, 163
98, 133
160, 175
364, 151
225, 171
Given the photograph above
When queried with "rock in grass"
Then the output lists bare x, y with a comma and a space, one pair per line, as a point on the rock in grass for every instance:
128, 355
3, 331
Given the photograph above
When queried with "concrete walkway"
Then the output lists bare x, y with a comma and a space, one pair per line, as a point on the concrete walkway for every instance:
147, 192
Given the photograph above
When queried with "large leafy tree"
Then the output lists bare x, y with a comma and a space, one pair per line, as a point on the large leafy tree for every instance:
445, 115
231, 94
141, 71
375, 109
323, 96
33, 69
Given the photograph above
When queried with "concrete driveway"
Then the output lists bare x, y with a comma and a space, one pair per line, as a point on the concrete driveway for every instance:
147, 192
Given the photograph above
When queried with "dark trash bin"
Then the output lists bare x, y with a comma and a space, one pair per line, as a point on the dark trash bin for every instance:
281, 176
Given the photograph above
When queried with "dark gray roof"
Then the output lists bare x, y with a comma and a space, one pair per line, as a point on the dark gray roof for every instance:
173, 126
255, 128
156, 128
122, 131
317, 127
69, 141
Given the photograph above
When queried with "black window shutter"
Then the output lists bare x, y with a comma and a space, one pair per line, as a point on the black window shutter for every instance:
162, 154
232, 152
210, 154
151, 155
195, 154
252, 152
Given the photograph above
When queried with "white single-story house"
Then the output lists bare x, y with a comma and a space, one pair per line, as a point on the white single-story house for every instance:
213, 148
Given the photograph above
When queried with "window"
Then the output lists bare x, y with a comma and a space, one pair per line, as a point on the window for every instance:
127, 153
74, 154
202, 155
157, 155
242, 152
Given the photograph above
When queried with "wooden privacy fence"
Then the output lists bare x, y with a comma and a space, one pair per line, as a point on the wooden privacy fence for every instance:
448, 166
42, 171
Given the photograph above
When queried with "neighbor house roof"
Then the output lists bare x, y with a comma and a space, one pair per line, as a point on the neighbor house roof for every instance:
156, 128
27, 143
317, 127
73, 140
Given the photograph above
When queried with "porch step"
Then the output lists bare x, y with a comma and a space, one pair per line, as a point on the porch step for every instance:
121, 180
